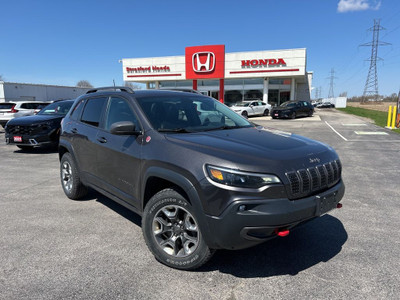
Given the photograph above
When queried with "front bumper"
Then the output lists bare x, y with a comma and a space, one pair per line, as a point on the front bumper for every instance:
45, 139
248, 223
280, 114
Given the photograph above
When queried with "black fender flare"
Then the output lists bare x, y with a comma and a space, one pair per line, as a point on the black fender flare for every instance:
189, 188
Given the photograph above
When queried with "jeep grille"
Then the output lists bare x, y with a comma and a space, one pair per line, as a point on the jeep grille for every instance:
308, 181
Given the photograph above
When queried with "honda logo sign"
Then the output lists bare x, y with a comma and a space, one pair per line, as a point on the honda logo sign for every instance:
205, 62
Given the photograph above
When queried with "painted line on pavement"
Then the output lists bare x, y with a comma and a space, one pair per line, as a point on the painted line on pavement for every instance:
334, 130
371, 133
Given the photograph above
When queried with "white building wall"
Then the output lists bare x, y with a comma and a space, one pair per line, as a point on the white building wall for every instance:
10, 91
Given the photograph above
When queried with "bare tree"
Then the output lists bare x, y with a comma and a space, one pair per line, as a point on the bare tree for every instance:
84, 84
132, 86
344, 94
1, 78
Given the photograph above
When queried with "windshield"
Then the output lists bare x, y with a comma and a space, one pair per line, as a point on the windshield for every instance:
57, 108
195, 113
243, 104
288, 104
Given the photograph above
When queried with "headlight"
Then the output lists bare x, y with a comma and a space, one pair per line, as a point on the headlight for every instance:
240, 179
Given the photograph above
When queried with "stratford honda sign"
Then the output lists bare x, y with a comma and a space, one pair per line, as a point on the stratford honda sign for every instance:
211, 62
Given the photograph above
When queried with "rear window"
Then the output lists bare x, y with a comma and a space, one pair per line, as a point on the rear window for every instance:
7, 105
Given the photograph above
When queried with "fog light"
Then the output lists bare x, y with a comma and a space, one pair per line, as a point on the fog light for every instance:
242, 207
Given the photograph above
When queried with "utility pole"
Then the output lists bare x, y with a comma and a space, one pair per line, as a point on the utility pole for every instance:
332, 77
371, 85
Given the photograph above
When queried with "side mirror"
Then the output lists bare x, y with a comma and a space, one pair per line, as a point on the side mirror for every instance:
124, 128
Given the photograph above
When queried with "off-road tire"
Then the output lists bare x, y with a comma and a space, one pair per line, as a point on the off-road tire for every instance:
171, 231
70, 180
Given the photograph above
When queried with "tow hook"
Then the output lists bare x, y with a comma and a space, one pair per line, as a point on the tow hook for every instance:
282, 232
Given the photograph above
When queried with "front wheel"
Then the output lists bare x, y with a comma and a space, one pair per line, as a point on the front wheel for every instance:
245, 114
172, 233
293, 115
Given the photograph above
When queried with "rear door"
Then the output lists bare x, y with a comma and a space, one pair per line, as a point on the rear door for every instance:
89, 113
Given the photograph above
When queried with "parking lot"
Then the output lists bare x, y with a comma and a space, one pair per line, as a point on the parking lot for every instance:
52, 247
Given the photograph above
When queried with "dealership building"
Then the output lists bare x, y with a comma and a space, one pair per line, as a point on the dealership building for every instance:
274, 76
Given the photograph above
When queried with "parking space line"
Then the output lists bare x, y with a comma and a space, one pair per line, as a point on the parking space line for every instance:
354, 124
334, 130
371, 133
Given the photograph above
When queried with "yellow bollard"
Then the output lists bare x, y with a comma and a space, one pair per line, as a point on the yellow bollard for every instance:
389, 117
394, 117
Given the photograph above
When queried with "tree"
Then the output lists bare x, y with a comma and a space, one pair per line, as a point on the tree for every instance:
132, 86
344, 94
1, 78
84, 84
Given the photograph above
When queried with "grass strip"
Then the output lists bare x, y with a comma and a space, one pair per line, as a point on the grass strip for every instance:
379, 117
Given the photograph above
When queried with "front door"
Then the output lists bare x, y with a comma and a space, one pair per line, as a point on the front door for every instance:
119, 156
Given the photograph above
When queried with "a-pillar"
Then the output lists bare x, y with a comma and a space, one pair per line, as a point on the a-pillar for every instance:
265, 90
292, 89
221, 90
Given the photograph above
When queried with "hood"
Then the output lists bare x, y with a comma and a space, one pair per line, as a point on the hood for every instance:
29, 120
257, 148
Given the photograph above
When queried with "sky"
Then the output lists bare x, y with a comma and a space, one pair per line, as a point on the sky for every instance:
63, 42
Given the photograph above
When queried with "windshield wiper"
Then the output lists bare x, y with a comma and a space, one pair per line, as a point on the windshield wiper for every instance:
177, 130
225, 127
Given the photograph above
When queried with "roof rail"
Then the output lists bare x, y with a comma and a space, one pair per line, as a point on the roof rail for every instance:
113, 88
183, 90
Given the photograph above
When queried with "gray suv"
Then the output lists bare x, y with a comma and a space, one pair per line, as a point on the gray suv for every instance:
200, 182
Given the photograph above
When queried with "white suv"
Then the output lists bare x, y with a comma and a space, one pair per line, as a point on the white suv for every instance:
10, 110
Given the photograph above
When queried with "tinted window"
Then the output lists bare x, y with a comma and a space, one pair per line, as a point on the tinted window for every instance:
6, 105
118, 111
77, 110
93, 110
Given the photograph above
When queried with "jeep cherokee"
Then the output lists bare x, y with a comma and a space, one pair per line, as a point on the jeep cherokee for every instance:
201, 176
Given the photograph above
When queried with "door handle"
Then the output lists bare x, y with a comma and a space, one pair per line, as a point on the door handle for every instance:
102, 140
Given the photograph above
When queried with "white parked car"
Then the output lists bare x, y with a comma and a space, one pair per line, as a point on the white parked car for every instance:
10, 110
252, 108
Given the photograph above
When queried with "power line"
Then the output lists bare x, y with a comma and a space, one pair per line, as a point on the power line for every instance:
331, 78
371, 85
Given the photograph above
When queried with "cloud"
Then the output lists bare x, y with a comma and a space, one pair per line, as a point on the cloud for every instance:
356, 5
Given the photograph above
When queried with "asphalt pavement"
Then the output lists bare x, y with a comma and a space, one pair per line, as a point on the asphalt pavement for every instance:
55, 248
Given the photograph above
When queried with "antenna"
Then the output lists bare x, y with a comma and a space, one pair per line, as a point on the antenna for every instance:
371, 85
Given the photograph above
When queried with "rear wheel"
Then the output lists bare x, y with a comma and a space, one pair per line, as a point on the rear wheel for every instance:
171, 231
266, 112
70, 180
